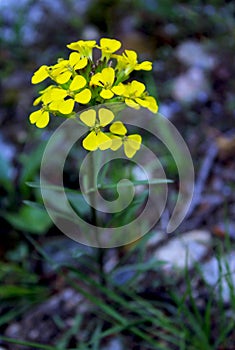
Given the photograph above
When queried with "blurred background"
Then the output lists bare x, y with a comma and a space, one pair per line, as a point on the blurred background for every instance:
192, 46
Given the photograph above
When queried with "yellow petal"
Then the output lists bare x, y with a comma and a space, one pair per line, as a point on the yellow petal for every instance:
54, 105
97, 79
119, 89
66, 107
128, 150
142, 103
131, 103
74, 57
103, 141
35, 116
116, 143
118, 128
43, 121
40, 118
82, 44
146, 65
106, 94
105, 116
137, 88
153, 107
88, 117
63, 77
90, 142
135, 141
54, 94
83, 97
132, 145
78, 83
108, 75
131, 56
40, 75
81, 64
109, 45
37, 101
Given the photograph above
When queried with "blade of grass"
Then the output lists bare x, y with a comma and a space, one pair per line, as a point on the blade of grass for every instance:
27, 343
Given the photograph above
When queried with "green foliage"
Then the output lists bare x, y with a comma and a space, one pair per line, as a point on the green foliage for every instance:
30, 219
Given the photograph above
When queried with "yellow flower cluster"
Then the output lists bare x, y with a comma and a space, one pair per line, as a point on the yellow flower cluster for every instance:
79, 80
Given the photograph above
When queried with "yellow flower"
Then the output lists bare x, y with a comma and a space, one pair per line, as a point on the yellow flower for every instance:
97, 138
65, 69
40, 117
132, 92
44, 95
56, 96
128, 62
40, 75
135, 95
105, 79
152, 104
131, 143
108, 47
83, 47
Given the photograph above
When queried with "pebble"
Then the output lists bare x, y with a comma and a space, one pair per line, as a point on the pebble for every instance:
191, 86
221, 275
185, 250
193, 53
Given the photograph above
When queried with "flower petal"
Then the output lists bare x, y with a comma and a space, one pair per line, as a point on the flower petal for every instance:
63, 77
137, 88
74, 57
142, 103
103, 141
131, 56
88, 117
108, 75
37, 101
132, 145
109, 45
106, 94
146, 65
40, 118
119, 89
66, 107
153, 107
118, 128
40, 75
97, 79
83, 97
131, 103
81, 64
105, 116
54, 94
90, 142
135, 141
78, 83
116, 142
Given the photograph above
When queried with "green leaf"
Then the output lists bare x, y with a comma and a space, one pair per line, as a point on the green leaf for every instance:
31, 164
5, 172
12, 291
30, 219
78, 203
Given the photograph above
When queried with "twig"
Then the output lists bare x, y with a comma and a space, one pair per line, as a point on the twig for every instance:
202, 177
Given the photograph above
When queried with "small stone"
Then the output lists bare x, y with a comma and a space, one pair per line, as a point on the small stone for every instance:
191, 86
114, 344
194, 54
90, 33
168, 110
185, 250
220, 274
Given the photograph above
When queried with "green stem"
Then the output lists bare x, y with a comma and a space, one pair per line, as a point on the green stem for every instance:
94, 217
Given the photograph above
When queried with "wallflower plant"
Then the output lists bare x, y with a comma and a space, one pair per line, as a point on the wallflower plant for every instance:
81, 81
